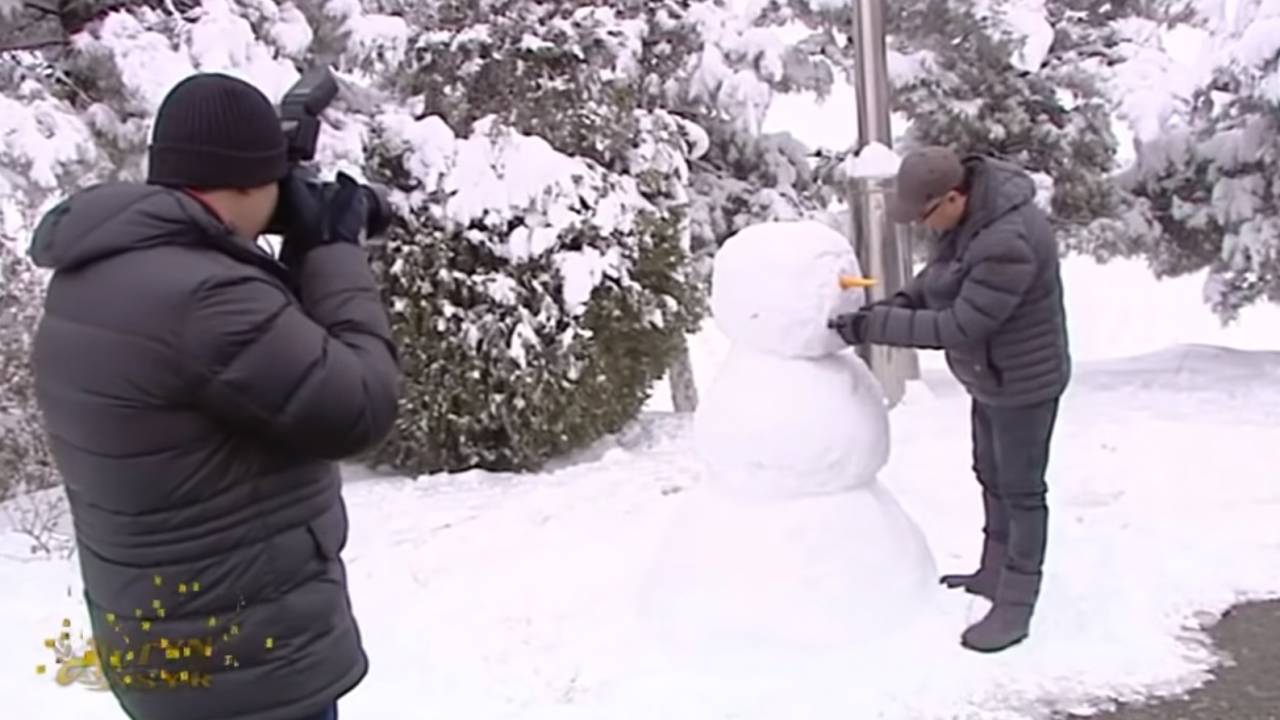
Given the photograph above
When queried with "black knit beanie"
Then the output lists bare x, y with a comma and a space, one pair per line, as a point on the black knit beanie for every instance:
216, 131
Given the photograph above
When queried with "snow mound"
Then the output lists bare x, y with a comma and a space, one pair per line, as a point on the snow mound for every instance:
876, 160
775, 285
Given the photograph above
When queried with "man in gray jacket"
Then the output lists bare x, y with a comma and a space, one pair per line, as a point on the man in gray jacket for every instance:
991, 297
197, 394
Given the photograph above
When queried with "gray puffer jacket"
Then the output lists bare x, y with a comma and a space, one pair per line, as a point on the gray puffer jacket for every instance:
991, 295
196, 406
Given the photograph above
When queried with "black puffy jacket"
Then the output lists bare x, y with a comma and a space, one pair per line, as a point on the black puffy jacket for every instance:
196, 406
991, 296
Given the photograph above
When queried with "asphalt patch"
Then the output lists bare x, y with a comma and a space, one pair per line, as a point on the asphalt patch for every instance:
1245, 687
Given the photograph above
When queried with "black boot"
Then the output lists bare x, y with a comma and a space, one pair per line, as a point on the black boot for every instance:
1009, 620
984, 581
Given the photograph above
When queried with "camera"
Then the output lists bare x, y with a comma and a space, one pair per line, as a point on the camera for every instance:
300, 120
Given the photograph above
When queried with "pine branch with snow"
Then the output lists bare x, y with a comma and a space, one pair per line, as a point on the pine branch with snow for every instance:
45, 144
1209, 180
734, 64
981, 88
1019, 79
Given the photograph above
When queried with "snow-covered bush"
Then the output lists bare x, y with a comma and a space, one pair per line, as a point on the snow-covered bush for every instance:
649, 109
533, 316
1210, 180
44, 146
25, 463
541, 280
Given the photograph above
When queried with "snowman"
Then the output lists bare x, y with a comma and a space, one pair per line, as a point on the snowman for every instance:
790, 543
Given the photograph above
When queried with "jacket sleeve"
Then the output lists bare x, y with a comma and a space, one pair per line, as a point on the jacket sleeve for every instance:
1001, 268
321, 378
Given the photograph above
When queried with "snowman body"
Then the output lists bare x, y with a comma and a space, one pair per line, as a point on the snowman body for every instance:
791, 542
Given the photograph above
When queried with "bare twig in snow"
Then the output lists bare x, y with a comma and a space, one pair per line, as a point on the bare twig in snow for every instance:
38, 516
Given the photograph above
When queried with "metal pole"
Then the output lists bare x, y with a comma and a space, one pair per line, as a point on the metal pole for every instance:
883, 247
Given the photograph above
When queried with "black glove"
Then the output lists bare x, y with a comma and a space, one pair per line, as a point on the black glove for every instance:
318, 218
851, 327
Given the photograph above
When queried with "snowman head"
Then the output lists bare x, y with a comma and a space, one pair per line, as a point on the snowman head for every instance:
775, 285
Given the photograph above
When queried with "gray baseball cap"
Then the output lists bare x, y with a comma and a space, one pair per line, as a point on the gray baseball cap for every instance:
924, 176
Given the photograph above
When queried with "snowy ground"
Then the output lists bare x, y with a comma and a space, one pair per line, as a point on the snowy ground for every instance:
489, 596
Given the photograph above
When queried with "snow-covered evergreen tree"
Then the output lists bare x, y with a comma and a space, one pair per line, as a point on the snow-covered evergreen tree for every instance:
1210, 178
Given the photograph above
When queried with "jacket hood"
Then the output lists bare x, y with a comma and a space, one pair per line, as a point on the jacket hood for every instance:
998, 189
110, 219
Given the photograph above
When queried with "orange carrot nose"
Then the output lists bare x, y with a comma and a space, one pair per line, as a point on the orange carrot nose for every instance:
849, 282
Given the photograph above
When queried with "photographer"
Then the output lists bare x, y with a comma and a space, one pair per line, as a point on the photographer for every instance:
197, 394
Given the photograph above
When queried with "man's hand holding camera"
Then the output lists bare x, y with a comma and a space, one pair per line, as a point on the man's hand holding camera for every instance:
310, 212
311, 219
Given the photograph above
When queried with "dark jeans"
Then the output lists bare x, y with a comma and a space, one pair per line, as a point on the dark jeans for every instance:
329, 713
1010, 456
